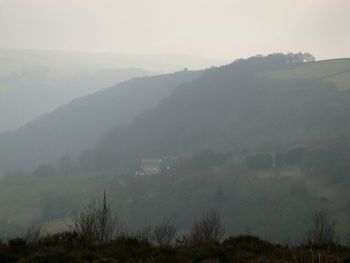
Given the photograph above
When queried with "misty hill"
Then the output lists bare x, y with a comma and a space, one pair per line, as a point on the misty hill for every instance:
236, 113
26, 94
77, 125
234, 108
28, 76
237, 108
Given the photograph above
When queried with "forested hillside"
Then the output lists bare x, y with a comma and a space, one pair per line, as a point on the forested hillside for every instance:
76, 126
22, 92
234, 109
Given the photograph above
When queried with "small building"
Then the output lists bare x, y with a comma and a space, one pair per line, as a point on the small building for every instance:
150, 167
165, 165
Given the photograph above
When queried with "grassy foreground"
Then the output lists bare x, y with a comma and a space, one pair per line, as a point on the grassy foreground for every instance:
67, 247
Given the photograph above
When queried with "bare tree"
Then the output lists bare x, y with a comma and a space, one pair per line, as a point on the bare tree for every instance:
323, 230
34, 234
96, 222
84, 222
106, 221
346, 241
143, 233
163, 234
208, 228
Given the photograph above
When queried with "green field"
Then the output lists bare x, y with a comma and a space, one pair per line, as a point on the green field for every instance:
20, 197
336, 71
50, 201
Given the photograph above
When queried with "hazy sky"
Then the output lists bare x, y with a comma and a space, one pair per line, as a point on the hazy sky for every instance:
214, 28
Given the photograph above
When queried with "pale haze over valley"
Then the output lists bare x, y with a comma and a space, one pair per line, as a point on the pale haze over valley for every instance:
175, 131
147, 37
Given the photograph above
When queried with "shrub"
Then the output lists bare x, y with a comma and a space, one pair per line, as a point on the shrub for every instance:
53, 255
210, 252
163, 234
127, 248
280, 160
247, 243
295, 156
323, 230
34, 234
17, 244
144, 233
61, 239
208, 228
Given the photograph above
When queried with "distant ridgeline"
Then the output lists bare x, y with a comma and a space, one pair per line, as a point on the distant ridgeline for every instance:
234, 109
76, 126
242, 108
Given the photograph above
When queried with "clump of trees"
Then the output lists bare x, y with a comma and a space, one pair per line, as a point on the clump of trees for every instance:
294, 156
204, 160
299, 57
259, 161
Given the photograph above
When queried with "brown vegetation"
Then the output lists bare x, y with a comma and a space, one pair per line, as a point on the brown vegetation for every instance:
96, 236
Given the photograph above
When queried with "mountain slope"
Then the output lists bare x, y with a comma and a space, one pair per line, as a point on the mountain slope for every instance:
77, 125
233, 109
22, 93
238, 108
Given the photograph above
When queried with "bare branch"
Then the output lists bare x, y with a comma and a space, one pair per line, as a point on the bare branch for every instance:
208, 228
163, 234
96, 222
323, 230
